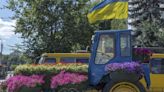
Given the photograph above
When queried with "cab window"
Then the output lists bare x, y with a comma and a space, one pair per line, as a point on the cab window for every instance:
105, 49
157, 66
68, 60
50, 60
125, 44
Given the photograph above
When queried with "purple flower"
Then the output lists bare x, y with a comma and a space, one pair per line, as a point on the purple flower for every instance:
142, 51
130, 67
143, 54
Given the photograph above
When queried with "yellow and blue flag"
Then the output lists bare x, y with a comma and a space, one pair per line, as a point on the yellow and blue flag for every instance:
109, 9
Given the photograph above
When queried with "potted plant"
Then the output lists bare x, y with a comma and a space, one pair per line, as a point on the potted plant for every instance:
125, 71
21, 83
142, 55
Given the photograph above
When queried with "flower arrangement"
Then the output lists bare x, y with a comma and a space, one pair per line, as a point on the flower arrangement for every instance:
142, 54
129, 67
16, 82
50, 69
64, 78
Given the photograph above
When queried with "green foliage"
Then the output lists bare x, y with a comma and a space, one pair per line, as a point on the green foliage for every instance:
161, 37
70, 87
13, 66
48, 69
119, 24
52, 25
152, 35
3, 86
28, 89
15, 58
146, 20
148, 10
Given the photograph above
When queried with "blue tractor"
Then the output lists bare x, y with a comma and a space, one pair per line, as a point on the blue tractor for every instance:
111, 47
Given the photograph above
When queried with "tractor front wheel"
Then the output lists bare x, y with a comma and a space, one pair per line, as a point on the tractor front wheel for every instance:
123, 86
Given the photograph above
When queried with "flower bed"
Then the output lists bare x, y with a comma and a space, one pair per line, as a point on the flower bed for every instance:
51, 69
56, 76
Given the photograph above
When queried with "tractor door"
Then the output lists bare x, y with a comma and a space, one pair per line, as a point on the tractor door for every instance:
108, 47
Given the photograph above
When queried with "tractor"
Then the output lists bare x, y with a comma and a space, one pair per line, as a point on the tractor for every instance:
113, 47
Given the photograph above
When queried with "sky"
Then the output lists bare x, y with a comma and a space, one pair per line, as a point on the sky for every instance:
7, 27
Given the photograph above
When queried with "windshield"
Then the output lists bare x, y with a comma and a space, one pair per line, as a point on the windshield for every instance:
105, 49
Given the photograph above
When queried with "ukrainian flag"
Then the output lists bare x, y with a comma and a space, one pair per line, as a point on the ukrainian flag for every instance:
109, 9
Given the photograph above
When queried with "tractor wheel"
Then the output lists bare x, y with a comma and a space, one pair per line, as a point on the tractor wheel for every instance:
124, 86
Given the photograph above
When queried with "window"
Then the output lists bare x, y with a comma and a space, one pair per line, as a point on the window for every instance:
105, 49
157, 66
125, 44
82, 60
68, 60
41, 61
50, 60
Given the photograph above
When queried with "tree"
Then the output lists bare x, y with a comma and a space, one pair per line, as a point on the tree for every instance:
146, 20
18, 56
145, 10
152, 35
52, 25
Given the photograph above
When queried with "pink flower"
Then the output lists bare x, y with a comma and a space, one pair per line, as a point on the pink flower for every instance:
64, 78
16, 82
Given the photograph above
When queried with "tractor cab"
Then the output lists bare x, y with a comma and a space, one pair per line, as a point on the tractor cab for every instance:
108, 47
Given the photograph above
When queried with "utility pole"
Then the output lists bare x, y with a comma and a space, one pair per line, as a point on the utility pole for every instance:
1, 51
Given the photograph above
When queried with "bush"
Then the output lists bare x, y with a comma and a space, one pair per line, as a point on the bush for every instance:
13, 67
3, 86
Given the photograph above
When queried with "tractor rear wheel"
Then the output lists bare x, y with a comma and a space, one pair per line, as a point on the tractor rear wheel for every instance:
124, 86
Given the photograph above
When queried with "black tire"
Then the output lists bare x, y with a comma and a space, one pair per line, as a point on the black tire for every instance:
112, 85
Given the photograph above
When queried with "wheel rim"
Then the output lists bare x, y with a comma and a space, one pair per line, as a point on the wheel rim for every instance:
124, 87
